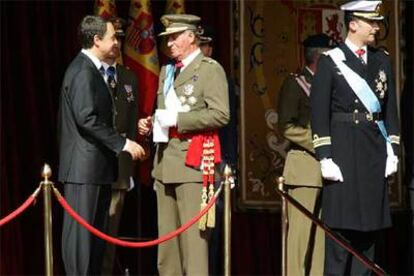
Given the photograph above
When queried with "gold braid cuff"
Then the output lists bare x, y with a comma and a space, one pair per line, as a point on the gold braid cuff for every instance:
321, 141
394, 139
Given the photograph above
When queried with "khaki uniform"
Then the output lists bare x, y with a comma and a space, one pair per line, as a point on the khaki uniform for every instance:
126, 113
305, 242
202, 90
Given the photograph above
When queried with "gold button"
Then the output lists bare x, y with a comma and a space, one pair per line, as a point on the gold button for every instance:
356, 111
356, 101
356, 122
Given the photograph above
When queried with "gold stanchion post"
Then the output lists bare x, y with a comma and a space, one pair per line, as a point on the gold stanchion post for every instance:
227, 221
283, 224
47, 218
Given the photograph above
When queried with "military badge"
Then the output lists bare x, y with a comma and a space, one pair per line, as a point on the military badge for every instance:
192, 100
188, 89
194, 77
130, 95
183, 99
381, 84
186, 108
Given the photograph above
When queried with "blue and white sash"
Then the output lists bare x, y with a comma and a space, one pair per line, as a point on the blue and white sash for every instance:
360, 87
169, 77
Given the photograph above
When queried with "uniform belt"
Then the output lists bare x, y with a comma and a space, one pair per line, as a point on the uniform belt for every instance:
356, 117
299, 148
173, 133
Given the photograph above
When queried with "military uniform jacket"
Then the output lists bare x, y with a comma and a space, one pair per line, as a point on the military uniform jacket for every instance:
202, 89
126, 112
301, 168
356, 146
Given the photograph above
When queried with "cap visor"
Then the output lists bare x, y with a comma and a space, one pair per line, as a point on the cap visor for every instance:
169, 31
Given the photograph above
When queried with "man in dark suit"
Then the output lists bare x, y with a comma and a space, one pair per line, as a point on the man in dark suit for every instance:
305, 243
123, 84
89, 145
356, 137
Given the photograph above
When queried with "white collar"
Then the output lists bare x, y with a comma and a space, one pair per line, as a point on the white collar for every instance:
106, 65
354, 48
92, 57
190, 58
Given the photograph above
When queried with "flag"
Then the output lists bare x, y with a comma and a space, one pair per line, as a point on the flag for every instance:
172, 7
140, 55
105, 8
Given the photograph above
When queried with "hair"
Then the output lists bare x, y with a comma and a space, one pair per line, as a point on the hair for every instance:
88, 28
311, 53
348, 17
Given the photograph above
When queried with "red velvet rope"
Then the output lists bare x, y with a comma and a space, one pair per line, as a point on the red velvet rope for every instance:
19, 210
119, 242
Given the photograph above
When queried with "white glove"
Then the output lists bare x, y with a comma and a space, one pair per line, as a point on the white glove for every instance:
166, 118
392, 161
330, 170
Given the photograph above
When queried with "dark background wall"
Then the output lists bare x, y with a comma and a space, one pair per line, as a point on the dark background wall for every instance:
37, 43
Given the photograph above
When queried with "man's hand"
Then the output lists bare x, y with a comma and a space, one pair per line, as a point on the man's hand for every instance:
330, 170
145, 126
136, 151
392, 161
166, 118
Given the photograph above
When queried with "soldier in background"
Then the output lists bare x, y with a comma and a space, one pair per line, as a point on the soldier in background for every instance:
356, 138
123, 84
305, 242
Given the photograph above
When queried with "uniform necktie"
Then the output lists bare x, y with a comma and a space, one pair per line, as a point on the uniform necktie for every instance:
360, 53
111, 71
178, 65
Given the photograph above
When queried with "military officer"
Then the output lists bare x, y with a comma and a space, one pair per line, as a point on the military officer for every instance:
192, 104
356, 137
305, 243
123, 84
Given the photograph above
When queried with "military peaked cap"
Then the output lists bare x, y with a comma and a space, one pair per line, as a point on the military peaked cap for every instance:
319, 41
207, 36
365, 9
119, 24
176, 23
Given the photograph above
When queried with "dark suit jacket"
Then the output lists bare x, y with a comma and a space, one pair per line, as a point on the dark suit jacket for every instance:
357, 147
88, 140
126, 112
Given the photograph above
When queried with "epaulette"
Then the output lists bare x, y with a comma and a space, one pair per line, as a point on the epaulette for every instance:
209, 60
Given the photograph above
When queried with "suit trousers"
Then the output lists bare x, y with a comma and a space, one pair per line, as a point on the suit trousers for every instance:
339, 261
81, 251
305, 241
186, 254
115, 214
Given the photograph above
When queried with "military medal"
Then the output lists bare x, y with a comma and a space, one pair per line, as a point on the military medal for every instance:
186, 108
188, 89
112, 83
130, 95
192, 100
381, 84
